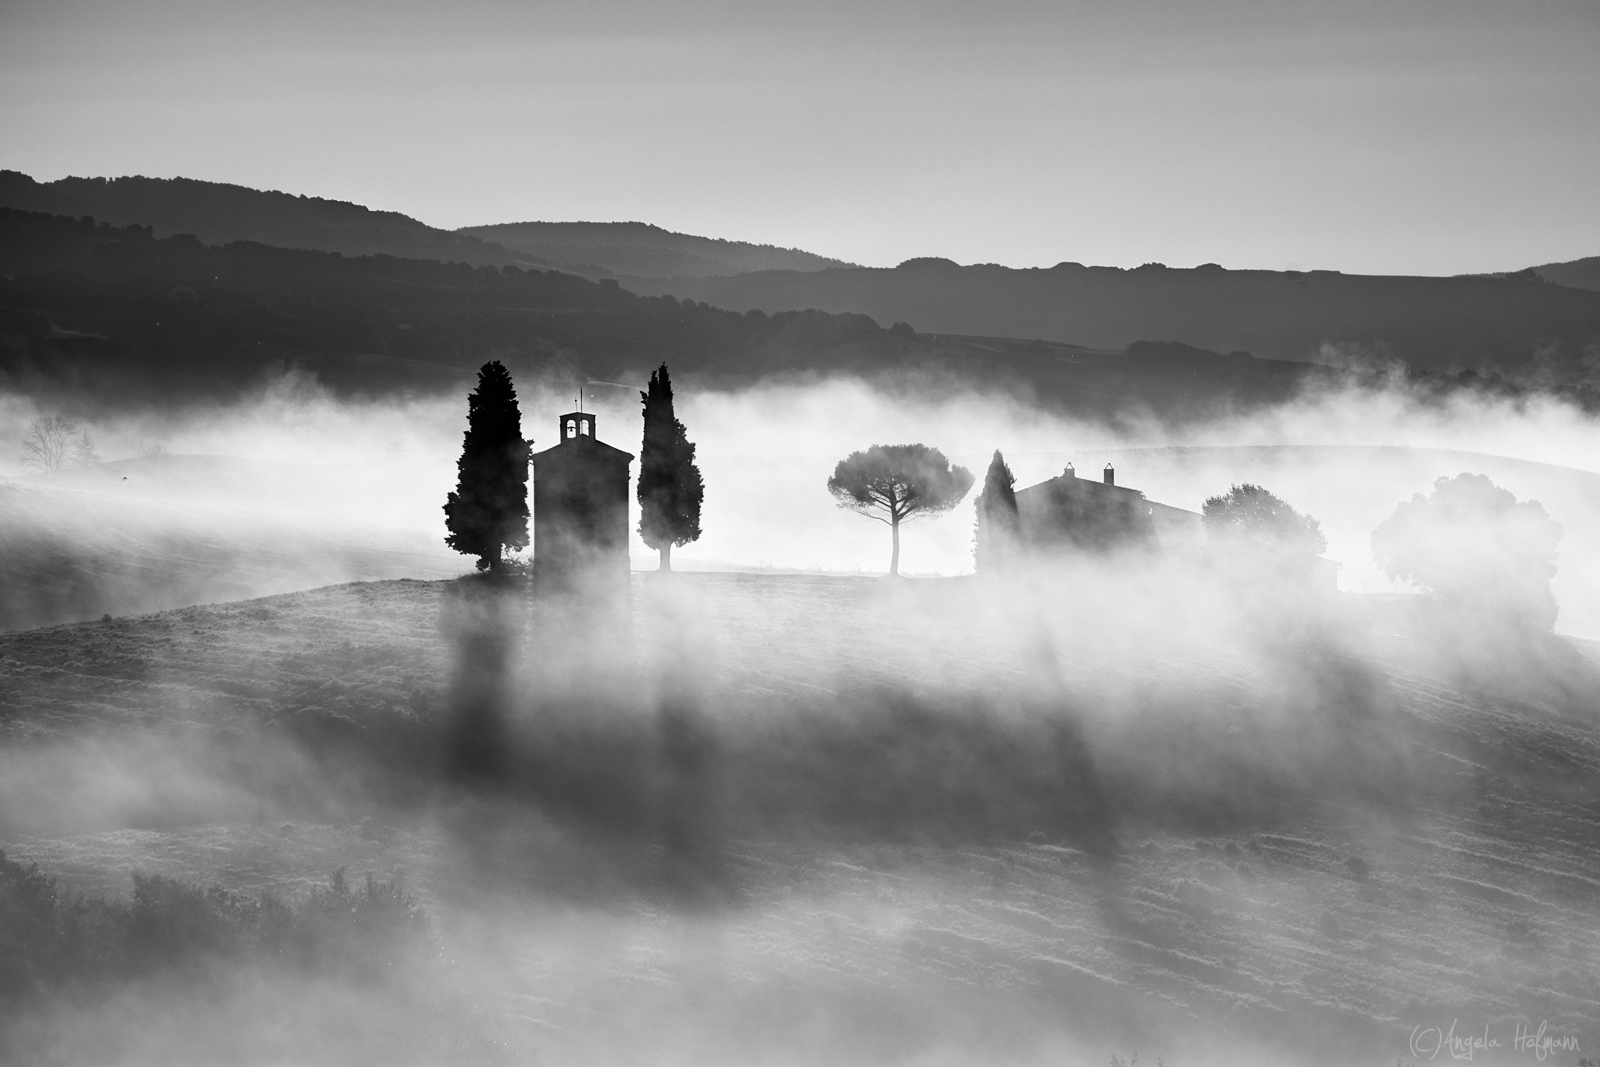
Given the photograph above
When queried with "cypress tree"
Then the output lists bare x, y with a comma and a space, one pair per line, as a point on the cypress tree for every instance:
999, 526
670, 487
488, 511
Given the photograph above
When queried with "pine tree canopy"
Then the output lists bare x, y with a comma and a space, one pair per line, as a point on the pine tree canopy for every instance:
670, 486
488, 511
897, 483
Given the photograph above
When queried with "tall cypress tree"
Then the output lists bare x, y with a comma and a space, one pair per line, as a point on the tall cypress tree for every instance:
670, 487
999, 526
488, 511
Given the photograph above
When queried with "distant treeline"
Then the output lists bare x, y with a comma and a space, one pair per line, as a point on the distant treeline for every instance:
93, 315
117, 312
217, 213
1521, 326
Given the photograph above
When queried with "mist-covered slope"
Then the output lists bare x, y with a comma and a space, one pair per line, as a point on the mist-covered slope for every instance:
1333, 828
102, 542
218, 213
1512, 325
640, 250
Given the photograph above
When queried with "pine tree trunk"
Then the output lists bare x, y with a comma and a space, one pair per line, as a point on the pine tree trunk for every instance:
666, 556
894, 557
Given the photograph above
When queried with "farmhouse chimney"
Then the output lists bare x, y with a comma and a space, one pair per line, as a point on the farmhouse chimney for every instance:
1110, 475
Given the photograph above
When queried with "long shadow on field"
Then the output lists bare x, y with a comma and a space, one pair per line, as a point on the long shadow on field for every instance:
484, 622
650, 757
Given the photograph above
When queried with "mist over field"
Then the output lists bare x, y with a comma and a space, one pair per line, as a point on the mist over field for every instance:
371, 475
789, 818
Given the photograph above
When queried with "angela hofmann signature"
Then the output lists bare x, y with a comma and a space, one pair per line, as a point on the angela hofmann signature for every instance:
1427, 1042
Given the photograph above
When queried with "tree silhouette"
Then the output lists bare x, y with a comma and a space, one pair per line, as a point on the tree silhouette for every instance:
488, 512
1476, 546
999, 530
670, 487
898, 483
1255, 525
55, 442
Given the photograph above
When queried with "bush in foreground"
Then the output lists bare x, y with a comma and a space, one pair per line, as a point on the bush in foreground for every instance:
49, 939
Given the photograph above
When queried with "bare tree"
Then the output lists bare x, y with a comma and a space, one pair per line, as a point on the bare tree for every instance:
54, 443
48, 444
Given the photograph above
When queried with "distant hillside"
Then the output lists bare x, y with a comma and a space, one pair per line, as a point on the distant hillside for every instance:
115, 317
218, 213
639, 250
1578, 273
1442, 324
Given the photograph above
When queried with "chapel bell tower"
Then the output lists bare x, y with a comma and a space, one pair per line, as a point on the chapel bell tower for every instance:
580, 513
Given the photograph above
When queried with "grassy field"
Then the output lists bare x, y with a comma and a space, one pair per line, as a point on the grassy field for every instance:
795, 819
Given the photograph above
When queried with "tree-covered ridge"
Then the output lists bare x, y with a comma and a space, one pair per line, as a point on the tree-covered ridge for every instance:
97, 315
122, 312
1518, 326
217, 213
640, 250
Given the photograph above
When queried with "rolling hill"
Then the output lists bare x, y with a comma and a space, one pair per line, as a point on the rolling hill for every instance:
217, 213
102, 315
1511, 324
126, 538
1577, 273
639, 250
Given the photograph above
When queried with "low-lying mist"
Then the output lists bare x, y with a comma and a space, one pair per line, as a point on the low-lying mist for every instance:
329, 476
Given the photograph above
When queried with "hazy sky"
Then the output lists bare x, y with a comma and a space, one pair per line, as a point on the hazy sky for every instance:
1417, 136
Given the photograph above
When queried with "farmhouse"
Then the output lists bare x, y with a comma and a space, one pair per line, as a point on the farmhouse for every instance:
580, 513
1068, 512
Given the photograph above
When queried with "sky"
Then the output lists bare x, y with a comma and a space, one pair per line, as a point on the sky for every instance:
1403, 136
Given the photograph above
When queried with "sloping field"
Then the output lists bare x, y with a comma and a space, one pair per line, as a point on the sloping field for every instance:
782, 819
117, 541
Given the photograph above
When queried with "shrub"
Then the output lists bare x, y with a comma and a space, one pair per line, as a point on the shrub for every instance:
47, 939
1477, 547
